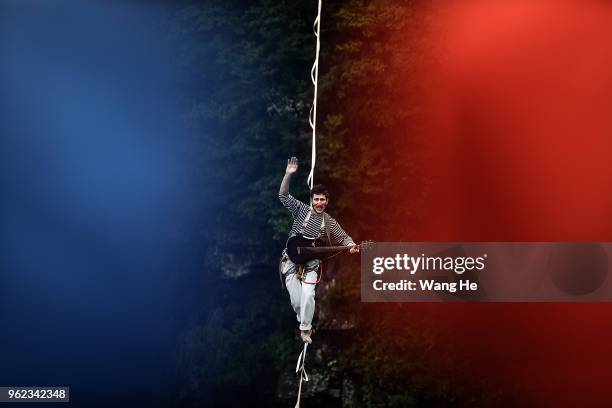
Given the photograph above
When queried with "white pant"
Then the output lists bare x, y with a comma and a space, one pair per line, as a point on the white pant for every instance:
302, 294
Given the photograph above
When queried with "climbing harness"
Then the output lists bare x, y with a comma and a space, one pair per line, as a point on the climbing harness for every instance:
301, 276
300, 273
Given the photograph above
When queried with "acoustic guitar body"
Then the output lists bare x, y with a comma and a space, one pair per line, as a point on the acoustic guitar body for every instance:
297, 243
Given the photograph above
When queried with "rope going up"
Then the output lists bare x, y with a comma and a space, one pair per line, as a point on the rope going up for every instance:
314, 76
312, 119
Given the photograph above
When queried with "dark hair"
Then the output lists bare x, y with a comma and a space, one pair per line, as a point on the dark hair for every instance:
319, 189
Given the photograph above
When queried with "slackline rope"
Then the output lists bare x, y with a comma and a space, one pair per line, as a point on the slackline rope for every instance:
314, 76
299, 368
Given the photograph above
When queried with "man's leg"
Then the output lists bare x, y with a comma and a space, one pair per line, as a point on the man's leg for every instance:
307, 300
294, 286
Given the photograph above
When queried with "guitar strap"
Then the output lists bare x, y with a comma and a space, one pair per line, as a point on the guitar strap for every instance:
305, 222
324, 225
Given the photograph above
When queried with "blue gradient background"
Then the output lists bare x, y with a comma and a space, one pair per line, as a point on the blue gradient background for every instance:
93, 185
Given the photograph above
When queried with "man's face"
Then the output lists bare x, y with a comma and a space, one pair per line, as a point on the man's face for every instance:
319, 202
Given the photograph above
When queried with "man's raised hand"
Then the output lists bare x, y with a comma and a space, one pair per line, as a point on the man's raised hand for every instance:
292, 165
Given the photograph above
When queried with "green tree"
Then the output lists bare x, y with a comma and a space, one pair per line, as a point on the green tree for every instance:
248, 95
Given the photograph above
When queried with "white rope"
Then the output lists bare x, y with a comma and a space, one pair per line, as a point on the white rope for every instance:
312, 119
314, 76
299, 368
301, 362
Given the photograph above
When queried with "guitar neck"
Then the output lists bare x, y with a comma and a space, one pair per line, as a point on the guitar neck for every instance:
322, 250
338, 248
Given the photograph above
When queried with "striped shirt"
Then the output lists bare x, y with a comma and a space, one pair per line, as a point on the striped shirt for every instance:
313, 227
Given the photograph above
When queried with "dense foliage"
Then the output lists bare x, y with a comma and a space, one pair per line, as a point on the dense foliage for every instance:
247, 97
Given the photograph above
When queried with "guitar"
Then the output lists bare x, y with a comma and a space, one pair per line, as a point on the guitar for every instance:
302, 249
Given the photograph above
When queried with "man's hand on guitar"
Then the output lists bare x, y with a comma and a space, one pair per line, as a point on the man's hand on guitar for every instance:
354, 249
292, 165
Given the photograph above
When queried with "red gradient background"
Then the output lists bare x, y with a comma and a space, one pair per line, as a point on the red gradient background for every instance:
519, 128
